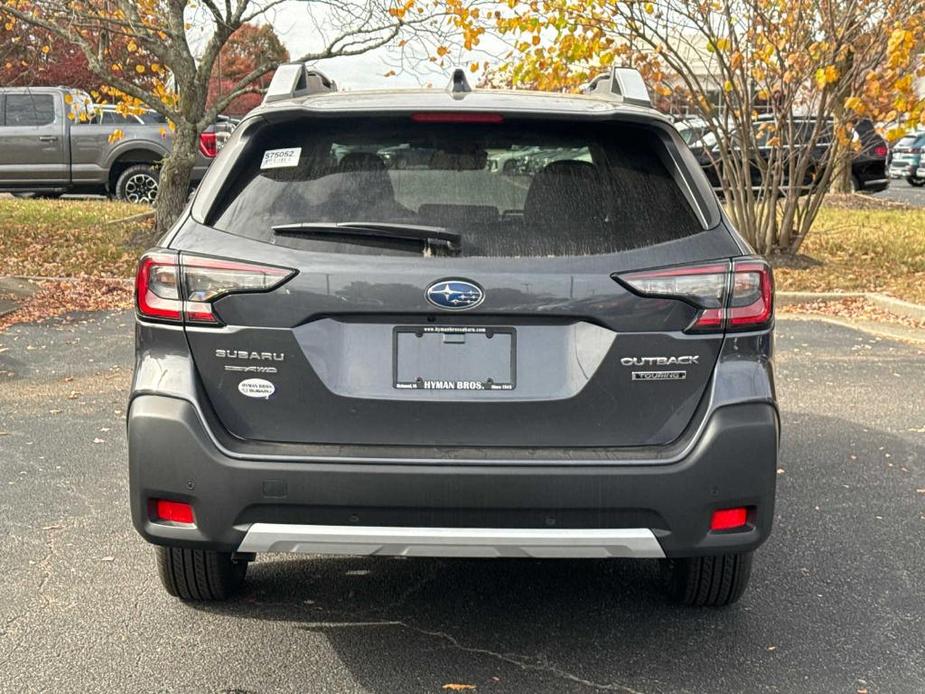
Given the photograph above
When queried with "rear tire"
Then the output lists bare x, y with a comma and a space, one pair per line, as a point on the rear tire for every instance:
138, 184
197, 575
916, 181
712, 581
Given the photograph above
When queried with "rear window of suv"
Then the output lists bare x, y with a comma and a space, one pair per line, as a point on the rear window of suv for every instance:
515, 188
912, 141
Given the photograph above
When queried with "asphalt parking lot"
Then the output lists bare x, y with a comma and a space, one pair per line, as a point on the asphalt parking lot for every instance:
836, 604
901, 191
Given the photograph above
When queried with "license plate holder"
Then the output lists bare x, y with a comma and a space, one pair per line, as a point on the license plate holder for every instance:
454, 358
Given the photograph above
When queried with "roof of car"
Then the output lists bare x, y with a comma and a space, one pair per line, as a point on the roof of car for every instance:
40, 90
478, 100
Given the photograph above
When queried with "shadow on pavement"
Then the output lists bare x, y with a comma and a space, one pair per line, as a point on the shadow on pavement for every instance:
403, 625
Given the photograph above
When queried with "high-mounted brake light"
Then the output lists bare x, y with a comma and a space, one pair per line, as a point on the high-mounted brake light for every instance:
175, 288
208, 145
456, 117
731, 296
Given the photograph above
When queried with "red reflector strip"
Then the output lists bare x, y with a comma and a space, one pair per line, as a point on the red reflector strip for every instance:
173, 511
729, 518
456, 117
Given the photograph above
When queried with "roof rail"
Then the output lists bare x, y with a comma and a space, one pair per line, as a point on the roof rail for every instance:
623, 83
297, 79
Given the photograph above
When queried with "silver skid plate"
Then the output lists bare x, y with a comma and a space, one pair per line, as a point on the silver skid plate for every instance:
537, 543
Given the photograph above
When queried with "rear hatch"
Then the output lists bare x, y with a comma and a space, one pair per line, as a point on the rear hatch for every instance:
456, 280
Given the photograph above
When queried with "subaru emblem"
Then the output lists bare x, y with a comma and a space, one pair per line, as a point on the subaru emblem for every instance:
455, 295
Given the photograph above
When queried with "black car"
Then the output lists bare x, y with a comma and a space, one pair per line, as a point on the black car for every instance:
338, 357
868, 162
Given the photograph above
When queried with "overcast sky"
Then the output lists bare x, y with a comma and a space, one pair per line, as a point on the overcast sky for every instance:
298, 33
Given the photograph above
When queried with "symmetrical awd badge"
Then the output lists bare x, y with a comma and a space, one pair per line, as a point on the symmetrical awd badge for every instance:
455, 295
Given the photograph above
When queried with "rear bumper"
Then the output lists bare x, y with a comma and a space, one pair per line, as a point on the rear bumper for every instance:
408, 508
875, 185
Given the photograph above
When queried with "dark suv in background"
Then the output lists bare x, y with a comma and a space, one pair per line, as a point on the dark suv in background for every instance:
868, 162
339, 356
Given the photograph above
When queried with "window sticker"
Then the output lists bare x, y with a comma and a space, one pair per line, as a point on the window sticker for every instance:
281, 158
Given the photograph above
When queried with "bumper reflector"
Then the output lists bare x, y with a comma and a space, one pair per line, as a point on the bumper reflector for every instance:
729, 518
173, 511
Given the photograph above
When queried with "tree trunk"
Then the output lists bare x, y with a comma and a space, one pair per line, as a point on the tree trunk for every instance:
841, 179
176, 172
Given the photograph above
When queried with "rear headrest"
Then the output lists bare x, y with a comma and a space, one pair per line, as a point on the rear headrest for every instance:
368, 174
361, 161
563, 193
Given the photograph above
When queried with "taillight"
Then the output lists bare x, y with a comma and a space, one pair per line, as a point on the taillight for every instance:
751, 301
881, 150
731, 296
157, 287
173, 288
208, 144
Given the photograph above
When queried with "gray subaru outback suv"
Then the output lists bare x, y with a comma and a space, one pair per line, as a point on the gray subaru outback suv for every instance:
536, 336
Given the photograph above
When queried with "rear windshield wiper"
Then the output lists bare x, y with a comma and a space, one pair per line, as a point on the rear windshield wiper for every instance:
433, 237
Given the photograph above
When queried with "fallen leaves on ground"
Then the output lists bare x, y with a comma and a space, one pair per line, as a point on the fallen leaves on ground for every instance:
86, 255
57, 297
69, 238
859, 250
861, 201
852, 309
453, 687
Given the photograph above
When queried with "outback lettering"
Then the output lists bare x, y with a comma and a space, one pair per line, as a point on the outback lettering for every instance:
685, 360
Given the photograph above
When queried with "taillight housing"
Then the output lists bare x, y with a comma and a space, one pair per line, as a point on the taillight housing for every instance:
157, 287
881, 150
208, 144
183, 288
731, 296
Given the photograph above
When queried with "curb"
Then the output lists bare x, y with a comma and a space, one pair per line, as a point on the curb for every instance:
912, 336
13, 291
897, 307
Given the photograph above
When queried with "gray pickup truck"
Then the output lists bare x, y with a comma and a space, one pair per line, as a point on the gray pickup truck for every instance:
46, 153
